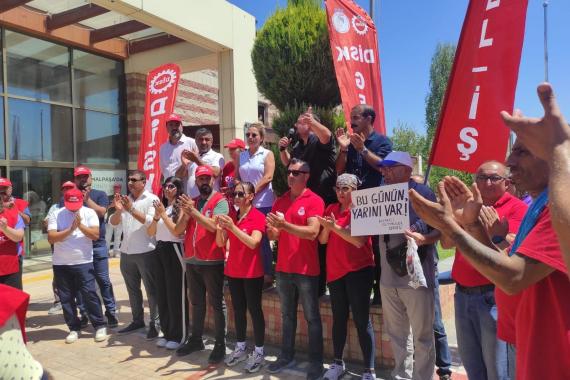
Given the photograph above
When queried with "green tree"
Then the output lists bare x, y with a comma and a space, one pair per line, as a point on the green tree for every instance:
441, 64
406, 139
292, 59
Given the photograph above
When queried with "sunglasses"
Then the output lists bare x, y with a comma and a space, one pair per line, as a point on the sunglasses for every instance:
134, 179
296, 173
492, 178
170, 186
252, 135
239, 194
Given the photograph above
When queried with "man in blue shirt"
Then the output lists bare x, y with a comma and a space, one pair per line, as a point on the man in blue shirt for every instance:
98, 201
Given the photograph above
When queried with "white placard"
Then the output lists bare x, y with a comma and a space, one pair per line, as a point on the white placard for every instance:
105, 179
380, 211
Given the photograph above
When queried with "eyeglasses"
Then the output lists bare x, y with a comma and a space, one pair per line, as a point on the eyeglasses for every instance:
134, 179
239, 194
296, 173
170, 186
343, 189
252, 135
493, 178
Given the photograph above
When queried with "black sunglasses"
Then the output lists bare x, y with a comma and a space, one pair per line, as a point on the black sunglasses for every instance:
134, 179
296, 173
251, 135
239, 194
169, 186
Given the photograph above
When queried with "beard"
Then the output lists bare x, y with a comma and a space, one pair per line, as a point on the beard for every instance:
205, 190
175, 134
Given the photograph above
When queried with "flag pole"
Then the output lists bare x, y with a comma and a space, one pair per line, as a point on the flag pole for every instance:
545, 7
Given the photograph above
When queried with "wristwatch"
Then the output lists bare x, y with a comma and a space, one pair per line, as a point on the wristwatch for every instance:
497, 239
364, 151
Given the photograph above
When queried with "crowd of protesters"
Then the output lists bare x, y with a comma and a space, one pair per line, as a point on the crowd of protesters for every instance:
215, 221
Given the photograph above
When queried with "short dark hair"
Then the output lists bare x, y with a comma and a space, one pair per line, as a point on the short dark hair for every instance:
203, 132
368, 111
297, 161
140, 173
248, 186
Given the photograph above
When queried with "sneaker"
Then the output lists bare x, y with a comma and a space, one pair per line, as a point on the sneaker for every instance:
55, 309
84, 321
101, 334
254, 362
279, 365
172, 345
445, 377
237, 356
72, 337
112, 320
152, 332
218, 353
315, 371
368, 375
191, 345
131, 327
161, 342
335, 371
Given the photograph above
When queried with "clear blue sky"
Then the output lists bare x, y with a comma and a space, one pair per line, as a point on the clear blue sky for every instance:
409, 30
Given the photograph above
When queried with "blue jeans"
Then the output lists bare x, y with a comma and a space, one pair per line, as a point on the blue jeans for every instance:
442, 354
482, 353
101, 266
291, 286
266, 252
71, 280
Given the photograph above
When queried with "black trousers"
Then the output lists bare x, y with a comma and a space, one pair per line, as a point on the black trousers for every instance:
202, 280
13, 280
246, 294
171, 290
352, 291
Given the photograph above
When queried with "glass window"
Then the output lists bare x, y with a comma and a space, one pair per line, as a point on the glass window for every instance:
2, 145
37, 69
99, 138
96, 81
39, 131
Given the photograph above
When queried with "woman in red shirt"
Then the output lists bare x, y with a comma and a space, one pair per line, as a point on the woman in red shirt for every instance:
350, 275
244, 270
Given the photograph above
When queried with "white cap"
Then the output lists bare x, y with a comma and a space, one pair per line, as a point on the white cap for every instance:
396, 157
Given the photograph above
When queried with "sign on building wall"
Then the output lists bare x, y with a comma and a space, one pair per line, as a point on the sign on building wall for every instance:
105, 179
380, 211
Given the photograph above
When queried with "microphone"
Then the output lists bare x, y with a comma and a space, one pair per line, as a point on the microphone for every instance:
290, 135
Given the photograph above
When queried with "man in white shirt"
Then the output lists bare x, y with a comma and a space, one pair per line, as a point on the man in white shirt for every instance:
206, 156
138, 260
72, 230
171, 151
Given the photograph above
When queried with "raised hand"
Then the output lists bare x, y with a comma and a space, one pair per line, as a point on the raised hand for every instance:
357, 141
276, 220
186, 204
225, 221
437, 214
159, 209
342, 138
493, 224
541, 136
76, 222
327, 222
284, 142
118, 202
3, 223
127, 202
465, 203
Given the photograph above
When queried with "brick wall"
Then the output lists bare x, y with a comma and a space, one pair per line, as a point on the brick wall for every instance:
135, 93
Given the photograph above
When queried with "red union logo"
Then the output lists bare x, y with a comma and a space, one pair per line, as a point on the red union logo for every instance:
162, 81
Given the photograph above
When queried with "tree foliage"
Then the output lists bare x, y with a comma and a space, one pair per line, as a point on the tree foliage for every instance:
292, 59
406, 139
330, 118
441, 64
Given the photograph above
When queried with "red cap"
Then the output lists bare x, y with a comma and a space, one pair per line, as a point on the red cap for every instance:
73, 200
68, 185
81, 170
235, 143
203, 170
174, 117
5, 182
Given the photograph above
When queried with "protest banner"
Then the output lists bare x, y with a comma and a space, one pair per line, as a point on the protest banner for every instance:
354, 47
380, 210
161, 87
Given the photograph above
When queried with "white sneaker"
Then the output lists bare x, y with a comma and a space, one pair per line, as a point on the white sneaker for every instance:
238, 355
335, 371
101, 334
254, 362
368, 375
161, 342
172, 345
72, 337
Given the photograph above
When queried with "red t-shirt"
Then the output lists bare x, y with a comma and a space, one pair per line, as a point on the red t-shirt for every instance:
343, 257
244, 262
296, 255
228, 175
543, 315
507, 206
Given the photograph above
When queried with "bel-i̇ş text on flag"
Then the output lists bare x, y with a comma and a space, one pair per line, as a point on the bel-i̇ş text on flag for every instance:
161, 87
354, 47
482, 83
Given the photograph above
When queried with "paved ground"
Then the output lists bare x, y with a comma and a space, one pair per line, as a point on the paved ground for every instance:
124, 357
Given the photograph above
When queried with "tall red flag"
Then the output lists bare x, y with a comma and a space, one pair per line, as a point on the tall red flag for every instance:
482, 83
161, 87
354, 48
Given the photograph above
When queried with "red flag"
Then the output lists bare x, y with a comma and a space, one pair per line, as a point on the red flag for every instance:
354, 48
482, 83
161, 86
